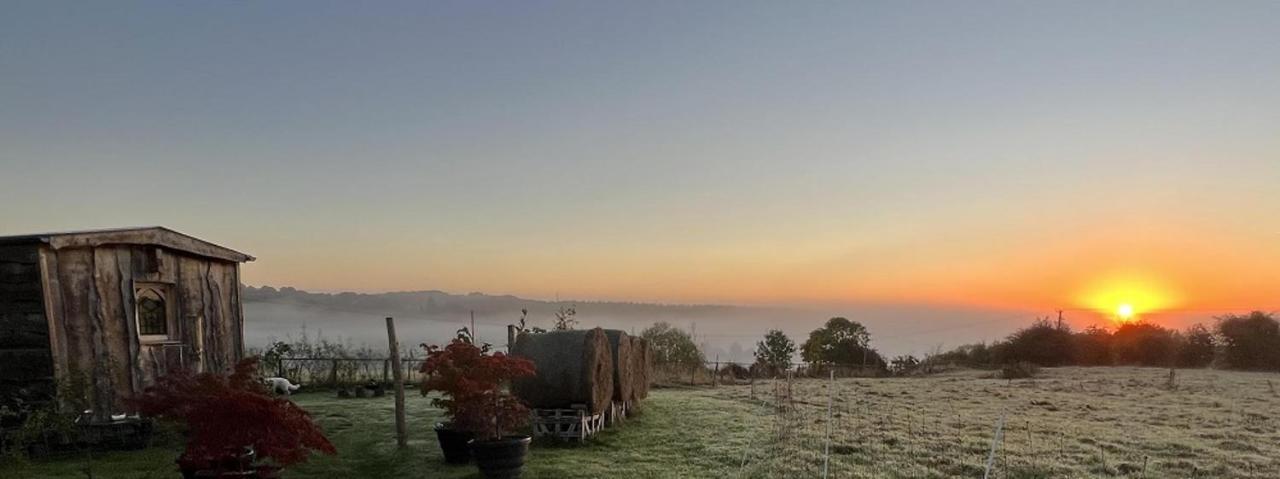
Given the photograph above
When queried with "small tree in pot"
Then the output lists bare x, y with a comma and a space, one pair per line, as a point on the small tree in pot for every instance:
470, 379
235, 427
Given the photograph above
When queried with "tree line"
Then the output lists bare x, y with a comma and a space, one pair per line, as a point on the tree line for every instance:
1239, 341
1246, 342
838, 342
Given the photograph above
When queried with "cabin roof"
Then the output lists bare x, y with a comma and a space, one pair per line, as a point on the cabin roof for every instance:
143, 235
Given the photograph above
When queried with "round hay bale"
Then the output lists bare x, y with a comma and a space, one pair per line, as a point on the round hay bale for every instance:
642, 365
572, 367
623, 365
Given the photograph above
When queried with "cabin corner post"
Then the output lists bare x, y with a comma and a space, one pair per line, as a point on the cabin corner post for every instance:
237, 297
51, 292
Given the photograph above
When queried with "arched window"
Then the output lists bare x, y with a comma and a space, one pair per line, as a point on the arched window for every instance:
153, 312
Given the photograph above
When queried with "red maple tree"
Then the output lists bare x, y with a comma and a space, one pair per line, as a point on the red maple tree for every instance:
470, 381
227, 415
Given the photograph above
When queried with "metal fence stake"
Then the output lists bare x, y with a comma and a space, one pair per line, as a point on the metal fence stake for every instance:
826, 451
991, 457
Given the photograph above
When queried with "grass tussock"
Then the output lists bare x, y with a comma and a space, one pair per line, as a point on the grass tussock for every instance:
1019, 370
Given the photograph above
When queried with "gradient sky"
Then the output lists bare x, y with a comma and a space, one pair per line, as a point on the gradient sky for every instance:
994, 154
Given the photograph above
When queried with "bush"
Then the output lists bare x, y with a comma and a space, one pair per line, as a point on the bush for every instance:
841, 341
672, 346
1019, 370
1196, 348
224, 415
903, 365
1242, 342
775, 351
471, 380
1144, 344
1092, 347
1042, 343
1250, 342
976, 355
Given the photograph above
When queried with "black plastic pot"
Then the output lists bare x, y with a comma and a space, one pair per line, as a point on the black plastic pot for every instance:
241, 466
454, 444
501, 458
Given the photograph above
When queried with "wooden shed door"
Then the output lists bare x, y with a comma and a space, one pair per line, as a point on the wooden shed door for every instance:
167, 357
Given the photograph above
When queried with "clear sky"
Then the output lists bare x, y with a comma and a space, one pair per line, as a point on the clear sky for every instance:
1008, 154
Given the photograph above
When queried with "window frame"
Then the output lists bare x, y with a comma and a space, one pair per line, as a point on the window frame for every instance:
165, 292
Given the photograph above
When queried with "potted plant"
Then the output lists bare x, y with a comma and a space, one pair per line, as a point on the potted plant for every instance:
234, 426
470, 380
498, 454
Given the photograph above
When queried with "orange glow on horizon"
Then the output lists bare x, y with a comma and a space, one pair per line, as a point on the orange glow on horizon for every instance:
1125, 298
1160, 270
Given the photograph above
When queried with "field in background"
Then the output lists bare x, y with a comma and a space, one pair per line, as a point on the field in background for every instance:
1070, 422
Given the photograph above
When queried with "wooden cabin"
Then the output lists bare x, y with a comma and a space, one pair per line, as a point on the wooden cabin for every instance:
103, 313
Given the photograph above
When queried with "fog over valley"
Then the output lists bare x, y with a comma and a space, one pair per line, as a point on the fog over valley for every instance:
727, 332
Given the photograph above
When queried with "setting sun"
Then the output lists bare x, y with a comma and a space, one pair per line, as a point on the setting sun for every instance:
1127, 296
1125, 311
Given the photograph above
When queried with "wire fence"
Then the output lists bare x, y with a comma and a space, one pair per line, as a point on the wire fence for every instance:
817, 429
324, 373
849, 421
972, 427
716, 373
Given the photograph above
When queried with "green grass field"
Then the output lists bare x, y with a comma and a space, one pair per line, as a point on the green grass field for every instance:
1070, 422
681, 433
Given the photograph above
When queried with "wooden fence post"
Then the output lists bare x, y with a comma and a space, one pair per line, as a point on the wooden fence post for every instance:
826, 449
386, 370
402, 430
333, 373
715, 376
511, 337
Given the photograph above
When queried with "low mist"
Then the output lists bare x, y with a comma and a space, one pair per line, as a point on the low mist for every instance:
727, 333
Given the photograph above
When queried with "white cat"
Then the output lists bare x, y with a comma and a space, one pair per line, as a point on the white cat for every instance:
281, 386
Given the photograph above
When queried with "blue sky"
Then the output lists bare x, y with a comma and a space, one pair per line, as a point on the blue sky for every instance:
789, 152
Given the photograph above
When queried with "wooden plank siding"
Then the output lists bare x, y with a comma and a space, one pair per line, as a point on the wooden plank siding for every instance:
95, 287
67, 312
26, 362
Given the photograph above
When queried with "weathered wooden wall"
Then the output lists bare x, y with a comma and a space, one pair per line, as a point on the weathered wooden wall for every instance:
95, 331
26, 365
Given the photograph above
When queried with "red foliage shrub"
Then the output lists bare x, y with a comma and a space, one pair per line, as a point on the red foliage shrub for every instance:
470, 380
224, 415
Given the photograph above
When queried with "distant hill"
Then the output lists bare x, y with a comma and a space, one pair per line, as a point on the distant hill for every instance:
434, 316
441, 303
726, 331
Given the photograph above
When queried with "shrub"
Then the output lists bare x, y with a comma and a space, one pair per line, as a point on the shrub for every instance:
841, 341
1197, 347
470, 379
1019, 370
224, 415
565, 318
672, 346
1042, 343
1092, 347
1250, 342
1144, 344
39, 427
973, 355
774, 353
903, 365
